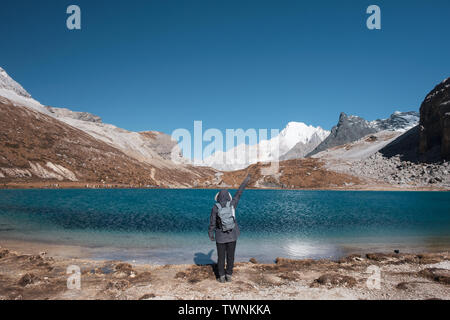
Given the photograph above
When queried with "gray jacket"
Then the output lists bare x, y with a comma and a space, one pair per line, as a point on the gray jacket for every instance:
214, 227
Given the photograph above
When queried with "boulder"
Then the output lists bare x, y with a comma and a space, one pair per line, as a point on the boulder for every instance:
334, 280
125, 268
3, 253
436, 274
118, 285
406, 286
27, 279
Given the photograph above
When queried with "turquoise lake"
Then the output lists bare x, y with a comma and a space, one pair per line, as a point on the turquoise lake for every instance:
170, 226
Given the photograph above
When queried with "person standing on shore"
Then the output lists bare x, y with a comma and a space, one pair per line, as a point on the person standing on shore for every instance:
224, 229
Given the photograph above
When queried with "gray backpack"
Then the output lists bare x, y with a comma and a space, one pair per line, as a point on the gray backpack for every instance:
226, 215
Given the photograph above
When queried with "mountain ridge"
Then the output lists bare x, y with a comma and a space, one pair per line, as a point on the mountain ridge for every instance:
42, 144
351, 128
26, 158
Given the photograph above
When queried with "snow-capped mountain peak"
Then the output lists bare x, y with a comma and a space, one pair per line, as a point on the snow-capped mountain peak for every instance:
243, 155
296, 132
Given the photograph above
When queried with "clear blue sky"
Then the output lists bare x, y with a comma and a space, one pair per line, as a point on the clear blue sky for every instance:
161, 64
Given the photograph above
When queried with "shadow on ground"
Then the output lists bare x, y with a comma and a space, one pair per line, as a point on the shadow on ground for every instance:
204, 259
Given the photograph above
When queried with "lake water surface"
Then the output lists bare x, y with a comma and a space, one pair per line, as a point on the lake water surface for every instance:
170, 226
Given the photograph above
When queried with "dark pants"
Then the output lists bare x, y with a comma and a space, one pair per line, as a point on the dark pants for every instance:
225, 249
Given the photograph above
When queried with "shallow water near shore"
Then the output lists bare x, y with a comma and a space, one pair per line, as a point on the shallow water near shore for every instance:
160, 226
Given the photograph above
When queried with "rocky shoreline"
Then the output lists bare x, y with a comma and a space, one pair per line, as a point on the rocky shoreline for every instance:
402, 276
367, 186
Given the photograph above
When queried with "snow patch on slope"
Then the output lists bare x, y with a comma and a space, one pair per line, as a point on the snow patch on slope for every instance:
14, 92
18, 100
53, 171
43, 173
64, 172
398, 121
8, 83
16, 172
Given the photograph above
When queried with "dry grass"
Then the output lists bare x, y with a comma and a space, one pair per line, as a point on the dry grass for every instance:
195, 274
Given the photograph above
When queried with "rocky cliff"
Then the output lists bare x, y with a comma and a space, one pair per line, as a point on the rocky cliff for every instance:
348, 129
351, 128
434, 129
63, 112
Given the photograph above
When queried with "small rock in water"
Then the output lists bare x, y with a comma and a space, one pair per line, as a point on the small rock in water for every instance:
253, 260
397, 251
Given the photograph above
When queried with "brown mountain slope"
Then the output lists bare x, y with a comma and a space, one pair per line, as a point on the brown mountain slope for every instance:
35, 147
292, 174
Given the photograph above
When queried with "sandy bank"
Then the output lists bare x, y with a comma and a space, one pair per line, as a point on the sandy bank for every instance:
402, 276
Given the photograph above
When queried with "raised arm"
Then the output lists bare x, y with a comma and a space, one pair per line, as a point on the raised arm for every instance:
237, 195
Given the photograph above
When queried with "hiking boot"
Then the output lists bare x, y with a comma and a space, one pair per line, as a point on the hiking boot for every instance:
221, 279
228, 278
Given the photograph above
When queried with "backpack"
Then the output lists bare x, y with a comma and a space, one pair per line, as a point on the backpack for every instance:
226, 215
